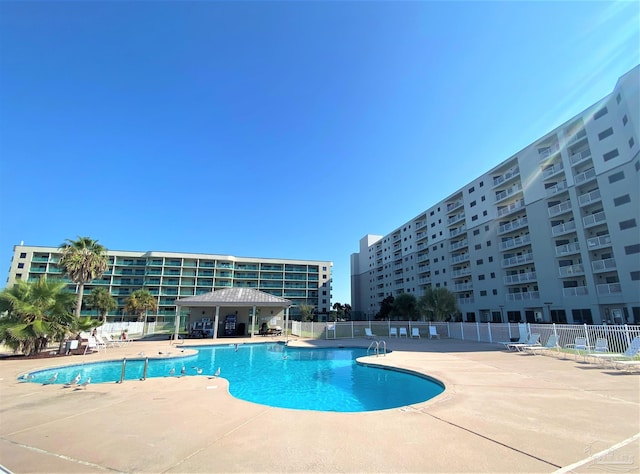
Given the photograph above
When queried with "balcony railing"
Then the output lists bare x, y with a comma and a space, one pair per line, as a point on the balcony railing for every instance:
497, 181
557, 188
509, 226
503, 211
567, 249
508, 192
590, 197
594, 219
563, 228
464, 301
457, 231
579, 135
600, 241
517, 242
463, 287
459, 258
456, 218
561, 208
458, 245
544, 153
571, 270
603, 265
461, 272
520, 278
609, 289
518, 260
575, 291
526, 296
552, 170
454, 205
580, 156
585, 176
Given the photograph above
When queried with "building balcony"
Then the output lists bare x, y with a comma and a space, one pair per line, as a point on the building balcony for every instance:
525, 296
424, 280
452, 206
557, 188
575, 291
590, 197
561, 208
605, 265
457, 218
546, 152
571, 270
422, 258
459, 258
519, 278
421, 235
580, 156
517, 260
458, 245
599, 242
511, 226
563, 228
584, 177
504, 194
513, 207
609, 289
420, 224
462, 287
552, 170
579, 135
465, 301
567, 249
461, 272
457, 231
514, 243
594, 219
512, 173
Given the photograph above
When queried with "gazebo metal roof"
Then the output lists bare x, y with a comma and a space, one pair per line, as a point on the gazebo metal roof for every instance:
234, 297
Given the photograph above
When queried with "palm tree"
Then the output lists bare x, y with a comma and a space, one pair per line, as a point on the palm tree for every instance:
83, 260
139, 302
35, 312
438, 304
101, 300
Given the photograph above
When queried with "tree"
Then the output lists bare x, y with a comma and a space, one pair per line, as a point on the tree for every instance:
386, 306
306, 312
438, 304
35, 312
140, 302
83, 260
347, 311
101, 300
405, 306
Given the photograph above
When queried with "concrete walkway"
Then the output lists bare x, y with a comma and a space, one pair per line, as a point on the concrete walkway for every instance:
500, 412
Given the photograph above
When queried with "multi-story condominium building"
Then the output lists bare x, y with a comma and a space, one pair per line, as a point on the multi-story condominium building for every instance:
550, 234
169, 275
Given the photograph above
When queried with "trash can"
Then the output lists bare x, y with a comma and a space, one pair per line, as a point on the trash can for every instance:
241, 329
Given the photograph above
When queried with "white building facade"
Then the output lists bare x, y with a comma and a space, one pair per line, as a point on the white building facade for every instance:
171, 275
550, 234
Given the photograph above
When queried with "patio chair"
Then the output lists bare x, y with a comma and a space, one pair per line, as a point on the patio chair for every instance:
403, 332
533, 340
580, 347
623, 358
521, 340
552, 344
393, 332
433, 332
415, 332
92, 345
369, 334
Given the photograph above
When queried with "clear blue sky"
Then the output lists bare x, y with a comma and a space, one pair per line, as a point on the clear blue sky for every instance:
278, 129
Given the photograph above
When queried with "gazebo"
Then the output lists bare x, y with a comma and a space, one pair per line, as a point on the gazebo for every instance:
235, 299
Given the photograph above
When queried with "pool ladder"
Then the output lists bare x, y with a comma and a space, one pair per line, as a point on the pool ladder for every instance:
378, 347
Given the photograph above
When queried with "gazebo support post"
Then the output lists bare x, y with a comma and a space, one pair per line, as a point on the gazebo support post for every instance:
177, 328
215, 323
253, 321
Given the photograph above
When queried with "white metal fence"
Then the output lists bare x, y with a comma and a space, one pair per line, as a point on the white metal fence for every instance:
618, 337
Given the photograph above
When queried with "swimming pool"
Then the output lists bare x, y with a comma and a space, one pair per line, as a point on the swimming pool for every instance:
276, 375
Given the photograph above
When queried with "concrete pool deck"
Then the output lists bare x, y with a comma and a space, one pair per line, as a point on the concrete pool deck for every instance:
501, 412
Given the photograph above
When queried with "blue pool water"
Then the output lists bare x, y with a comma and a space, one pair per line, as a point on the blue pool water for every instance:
275, 375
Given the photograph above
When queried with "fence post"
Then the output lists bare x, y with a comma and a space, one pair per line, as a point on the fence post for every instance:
586, 333
477, 331
462, 330
626, 334
352, 333
509, 328
489, 329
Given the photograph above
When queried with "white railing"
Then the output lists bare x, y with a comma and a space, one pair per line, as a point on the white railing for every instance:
503, 211
567, 249
508, 175
458, 231
579, 135
454, 205
600, 241
456, 218
587, 198
524, 296
609, 289
559, 208
603, 265
618, 336
594, 219
562, 228
458, 245
575, 291
518, 260
461, 272
459, 258
517, 242
581, 155
548, 151
509, 226
584, 176
520, 278
551, 170
556, 188
508, 192
571, 270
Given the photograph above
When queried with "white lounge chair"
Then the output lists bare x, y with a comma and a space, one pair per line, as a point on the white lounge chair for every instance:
580, 347
393, 332
622, 358
433, 332
552, 344
533, 340
415, 332
523, 336
403, 332
369, 334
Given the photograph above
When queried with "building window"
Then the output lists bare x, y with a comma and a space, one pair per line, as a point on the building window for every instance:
494, 292
484, 213
18, 276
618, 99
23, 255
473, 203
474, 218
472, 189
631, 142
479, 262
482, 198
480, 277
476, 232
610, 155
490, 259
624, 225
478, 246
483, 293
488, 243
624, 119
616, 177
631, 249
635, 276
606, 133
481, 183
21, 265
600, 113
493, 275
619, 201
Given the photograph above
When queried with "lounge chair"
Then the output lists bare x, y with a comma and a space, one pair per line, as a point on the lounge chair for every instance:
403, 332
369, 334
92, 345
552, 344
533, 340
433, 332
580, 347
393, 332
623, 358
415, 332
521, 340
